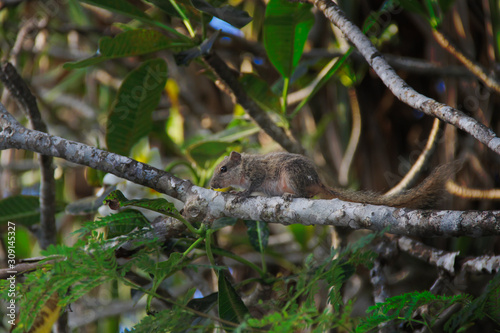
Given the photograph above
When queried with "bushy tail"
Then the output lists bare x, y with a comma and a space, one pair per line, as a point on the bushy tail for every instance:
426, 195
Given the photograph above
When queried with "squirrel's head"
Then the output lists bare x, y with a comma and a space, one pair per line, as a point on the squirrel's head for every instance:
227, 172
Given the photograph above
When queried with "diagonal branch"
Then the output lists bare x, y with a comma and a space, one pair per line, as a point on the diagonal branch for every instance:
398, 86
21, 92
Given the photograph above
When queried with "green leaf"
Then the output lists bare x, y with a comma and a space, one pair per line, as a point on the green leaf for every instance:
206, 153
286, 27
236, 17
413, 6
487, 304
258, 234
260, 91
116, 199
22, 209
203, 304
127, 44
130, 116
231, 307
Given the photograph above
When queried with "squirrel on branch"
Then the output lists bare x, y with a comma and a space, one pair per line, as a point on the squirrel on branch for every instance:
292, 175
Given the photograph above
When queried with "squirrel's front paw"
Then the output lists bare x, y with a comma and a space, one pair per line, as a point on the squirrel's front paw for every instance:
288, 196
240, 196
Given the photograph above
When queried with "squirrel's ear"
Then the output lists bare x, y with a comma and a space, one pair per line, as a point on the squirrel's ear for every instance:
235, 156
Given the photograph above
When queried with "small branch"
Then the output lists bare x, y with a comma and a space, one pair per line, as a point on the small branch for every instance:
399, 87
475, 68
258, 115
21, 92
483, 264
423, 159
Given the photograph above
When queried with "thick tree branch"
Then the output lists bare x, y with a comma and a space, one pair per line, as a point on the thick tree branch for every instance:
424, 223
207, 205
398, 86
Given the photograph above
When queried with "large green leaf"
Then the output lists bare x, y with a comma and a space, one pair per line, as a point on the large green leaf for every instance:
258, 234
231, 307
22, 209
130, 116
116, 199
127, 44
232, 15
286, 27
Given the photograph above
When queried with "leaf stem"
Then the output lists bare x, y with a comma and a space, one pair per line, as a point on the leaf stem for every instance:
208, 246
286, 83
190, 248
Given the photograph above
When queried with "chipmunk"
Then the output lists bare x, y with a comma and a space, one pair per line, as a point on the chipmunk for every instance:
292, 175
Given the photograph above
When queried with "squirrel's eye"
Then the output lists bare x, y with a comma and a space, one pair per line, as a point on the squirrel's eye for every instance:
223, 169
